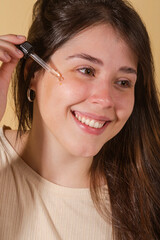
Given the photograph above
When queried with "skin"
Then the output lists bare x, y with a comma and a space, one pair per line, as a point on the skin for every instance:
9, 56
56, 144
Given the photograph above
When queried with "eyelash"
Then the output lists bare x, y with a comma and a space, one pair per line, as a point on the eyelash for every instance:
90, 73
124, 83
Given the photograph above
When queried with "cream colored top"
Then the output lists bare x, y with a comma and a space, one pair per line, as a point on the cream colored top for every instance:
32, 208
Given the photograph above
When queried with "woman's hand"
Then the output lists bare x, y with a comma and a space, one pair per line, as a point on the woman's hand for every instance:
9, 56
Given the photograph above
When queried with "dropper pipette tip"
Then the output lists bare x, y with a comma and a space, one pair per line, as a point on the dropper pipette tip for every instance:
27, 49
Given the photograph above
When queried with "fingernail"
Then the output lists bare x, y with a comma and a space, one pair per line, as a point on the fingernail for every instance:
7, 56
19, 52
20, 37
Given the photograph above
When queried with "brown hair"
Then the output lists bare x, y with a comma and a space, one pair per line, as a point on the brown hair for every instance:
130, 162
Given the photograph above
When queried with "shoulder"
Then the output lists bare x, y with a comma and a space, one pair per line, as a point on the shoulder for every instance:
10, 145
16, 141
10, 135
7, 137
3, 149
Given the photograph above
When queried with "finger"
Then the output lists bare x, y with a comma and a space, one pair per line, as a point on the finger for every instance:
4, 57
5, 77
12, 38
6, 72
9, 49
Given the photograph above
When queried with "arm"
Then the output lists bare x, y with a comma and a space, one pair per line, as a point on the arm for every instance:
9, 56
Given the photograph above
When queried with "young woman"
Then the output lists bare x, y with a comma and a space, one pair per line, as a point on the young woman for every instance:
85, 161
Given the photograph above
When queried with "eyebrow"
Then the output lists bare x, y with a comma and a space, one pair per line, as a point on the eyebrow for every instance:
98, 61
86, 57
126, 69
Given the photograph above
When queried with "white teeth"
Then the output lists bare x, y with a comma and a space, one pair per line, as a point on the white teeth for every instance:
96, 125
79, 118
87, 121
91, 123
83, 120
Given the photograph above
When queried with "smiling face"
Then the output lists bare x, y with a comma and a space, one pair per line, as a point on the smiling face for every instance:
96, 96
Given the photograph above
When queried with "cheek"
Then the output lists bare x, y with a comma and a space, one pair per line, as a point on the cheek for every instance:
125, 106
74, 88
123, 110
52, 93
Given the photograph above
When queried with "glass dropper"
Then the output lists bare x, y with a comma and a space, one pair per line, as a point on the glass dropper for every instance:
27, 49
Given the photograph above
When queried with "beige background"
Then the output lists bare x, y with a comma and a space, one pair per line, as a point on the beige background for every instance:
15, 17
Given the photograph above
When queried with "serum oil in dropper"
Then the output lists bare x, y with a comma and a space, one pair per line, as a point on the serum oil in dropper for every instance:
28, 51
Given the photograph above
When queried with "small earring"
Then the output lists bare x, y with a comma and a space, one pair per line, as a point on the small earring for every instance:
30, 95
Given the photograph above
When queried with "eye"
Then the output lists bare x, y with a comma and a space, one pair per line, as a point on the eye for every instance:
124, 83
87, 71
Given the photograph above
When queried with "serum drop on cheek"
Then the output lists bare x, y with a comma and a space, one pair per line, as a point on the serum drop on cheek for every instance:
28, 51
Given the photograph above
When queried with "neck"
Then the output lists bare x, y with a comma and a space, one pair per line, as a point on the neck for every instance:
44, 154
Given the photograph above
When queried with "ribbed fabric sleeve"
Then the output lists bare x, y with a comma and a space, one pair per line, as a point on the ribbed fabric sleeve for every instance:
32, 208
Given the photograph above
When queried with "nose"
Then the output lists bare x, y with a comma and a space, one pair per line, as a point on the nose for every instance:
102, 95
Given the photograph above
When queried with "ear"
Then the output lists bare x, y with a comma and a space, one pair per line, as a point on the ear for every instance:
34, 79
27, 67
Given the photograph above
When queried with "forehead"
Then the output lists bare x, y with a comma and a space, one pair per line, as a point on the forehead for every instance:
93, 34
100, 40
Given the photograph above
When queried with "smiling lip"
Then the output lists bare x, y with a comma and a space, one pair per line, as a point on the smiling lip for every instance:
103, 122
92, 116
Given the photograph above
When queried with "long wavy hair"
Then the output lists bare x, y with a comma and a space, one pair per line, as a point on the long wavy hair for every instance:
130, 162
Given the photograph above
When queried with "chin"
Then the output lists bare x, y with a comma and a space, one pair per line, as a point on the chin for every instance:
87, 152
